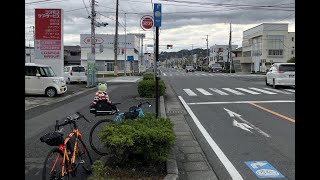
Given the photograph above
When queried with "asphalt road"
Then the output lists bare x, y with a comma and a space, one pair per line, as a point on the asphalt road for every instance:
41, 120
245, 122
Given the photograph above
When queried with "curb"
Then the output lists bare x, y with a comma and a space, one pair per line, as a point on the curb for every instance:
171, 164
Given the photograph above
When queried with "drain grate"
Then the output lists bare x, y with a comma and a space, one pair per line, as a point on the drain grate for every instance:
174, 112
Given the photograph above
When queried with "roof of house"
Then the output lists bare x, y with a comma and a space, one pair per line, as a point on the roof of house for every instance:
72, 48
237, 50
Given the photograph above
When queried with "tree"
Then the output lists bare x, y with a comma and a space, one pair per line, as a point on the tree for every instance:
291, 60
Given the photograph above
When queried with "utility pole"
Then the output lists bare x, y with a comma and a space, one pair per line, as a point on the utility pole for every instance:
29, 51
91, 60
34, 42
230, 55
207, 49
125, 44
192, 55
116, 42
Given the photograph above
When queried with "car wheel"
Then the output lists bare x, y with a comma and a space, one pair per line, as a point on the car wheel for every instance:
274, 84
68, 81
51, 92
267, 82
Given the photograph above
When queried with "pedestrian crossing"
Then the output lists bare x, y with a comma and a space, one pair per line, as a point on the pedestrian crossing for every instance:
236, 91
181, 74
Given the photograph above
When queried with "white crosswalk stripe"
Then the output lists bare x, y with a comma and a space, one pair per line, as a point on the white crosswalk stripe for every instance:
190, 92
291, 90
248, 91
261, 90
218, 91
276, 90
233, 91
204, 91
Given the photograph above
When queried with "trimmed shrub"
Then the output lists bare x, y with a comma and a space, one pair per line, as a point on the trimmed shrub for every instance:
147, 88
146, 139
98, 171
149, 76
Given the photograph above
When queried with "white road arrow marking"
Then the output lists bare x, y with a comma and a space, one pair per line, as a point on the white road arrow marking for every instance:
257, 164
233, 114
243, 126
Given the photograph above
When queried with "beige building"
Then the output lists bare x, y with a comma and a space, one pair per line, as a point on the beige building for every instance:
265, 44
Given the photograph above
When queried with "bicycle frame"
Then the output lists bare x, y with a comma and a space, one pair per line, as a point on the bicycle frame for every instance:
63, 147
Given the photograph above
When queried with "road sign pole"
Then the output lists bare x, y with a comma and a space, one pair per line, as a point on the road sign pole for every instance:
157, 24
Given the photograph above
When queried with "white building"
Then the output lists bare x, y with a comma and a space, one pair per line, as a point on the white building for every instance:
219, 54
104, 52
265, 44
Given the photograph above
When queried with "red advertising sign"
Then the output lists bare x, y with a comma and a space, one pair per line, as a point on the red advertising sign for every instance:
48, 23
146, 22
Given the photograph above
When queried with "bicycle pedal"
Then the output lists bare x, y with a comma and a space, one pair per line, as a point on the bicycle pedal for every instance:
82, 162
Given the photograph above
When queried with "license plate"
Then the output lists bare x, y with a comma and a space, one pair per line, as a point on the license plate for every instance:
291, 76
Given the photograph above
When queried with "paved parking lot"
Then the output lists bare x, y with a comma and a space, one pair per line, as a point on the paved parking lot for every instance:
32, 101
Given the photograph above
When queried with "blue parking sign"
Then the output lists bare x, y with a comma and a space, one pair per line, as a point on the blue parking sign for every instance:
263, 169
130, 58
157, 14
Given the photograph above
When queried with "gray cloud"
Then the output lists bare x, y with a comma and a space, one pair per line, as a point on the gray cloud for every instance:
185, 28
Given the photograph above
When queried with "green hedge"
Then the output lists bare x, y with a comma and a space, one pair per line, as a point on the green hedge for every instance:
147, 88
148, 76
146, 139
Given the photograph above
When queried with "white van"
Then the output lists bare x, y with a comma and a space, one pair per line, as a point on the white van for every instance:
41, 79
75, 73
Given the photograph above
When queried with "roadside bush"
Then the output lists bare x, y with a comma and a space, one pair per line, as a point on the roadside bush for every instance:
144, 140
147, 88
98, 171
149, 76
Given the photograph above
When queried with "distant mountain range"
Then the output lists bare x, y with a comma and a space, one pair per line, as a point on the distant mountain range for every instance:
182, 53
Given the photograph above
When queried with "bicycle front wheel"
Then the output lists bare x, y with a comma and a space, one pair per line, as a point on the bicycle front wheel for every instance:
95, 143
52, 167
84, 159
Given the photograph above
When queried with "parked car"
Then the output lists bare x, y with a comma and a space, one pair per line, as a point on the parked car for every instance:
41, 79
75, 73
189, 69
281, 74
215, 68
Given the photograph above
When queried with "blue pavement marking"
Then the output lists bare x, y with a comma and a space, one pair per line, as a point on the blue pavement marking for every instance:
263, 169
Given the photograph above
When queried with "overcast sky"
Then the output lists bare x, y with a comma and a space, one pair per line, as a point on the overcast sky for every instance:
185, 23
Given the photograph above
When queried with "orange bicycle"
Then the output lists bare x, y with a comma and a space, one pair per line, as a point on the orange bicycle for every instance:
63, 161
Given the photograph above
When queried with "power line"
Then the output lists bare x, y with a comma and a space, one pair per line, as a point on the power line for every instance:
43, 2
86, 7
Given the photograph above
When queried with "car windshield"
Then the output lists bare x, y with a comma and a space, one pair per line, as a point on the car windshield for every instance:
47, 72
216, 65
189, 67
78, 69
287, 67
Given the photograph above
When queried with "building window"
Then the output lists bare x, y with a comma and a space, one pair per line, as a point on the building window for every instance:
292, 38
247, 54
275, 52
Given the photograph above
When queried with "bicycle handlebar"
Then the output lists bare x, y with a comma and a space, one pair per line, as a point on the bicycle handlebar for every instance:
141, 103
70, 120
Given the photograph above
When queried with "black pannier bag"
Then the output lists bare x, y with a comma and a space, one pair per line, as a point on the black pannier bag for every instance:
52, 138
102, 108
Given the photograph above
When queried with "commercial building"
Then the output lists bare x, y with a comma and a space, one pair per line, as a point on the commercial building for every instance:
264, 45
104, 53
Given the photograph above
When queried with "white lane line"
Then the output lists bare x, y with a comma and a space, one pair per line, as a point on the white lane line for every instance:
214, 146
276, 90
204, 74
164, 74
190, 92
240, 102
218, 91
291, 90
261, 90
204, 91
233, 91
248, 91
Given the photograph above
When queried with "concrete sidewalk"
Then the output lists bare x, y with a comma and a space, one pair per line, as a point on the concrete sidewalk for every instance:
192, 162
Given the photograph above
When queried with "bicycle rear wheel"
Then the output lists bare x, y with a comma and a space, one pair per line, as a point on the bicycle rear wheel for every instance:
52, 167
95, 143
83, 158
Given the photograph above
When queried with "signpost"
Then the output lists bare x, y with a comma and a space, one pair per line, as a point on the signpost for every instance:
157, 24
49, 39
